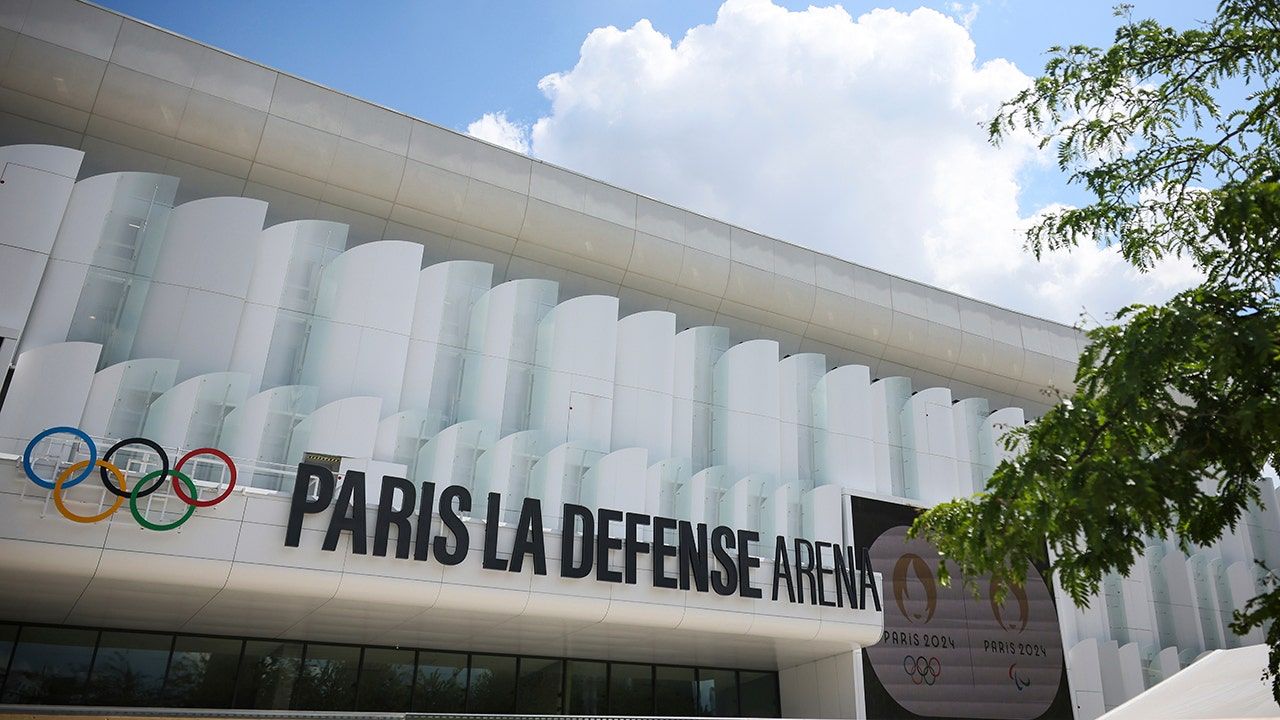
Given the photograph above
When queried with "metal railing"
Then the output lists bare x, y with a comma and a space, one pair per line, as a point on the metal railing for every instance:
59, 452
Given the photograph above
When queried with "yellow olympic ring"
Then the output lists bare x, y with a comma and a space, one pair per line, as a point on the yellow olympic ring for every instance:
62, 478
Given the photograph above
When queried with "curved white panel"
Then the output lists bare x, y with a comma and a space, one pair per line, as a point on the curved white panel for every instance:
746, 424
281, 299
572, 399
501, 346
506, 468
193, 308
817, 522
359, 339
644, 383
121, 397
38, 182
798, 375
888, 396
261, 428
102, 261
974, 447
191, 413
37, 185
844, 453
697, 351
928, 436
701, 499
743, 504
1001, 422
558, 478
450, 457
617, 482
50, 386
401, 436
780, 513
447, 293
666, 481
346, 427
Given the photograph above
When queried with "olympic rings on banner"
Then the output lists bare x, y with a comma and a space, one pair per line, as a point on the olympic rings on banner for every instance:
922, 669
148, 484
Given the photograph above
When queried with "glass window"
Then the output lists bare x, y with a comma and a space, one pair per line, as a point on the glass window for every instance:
441, 685
630, 689
541, 680
267, 674
50, 666
202, 672
8, 636
586, 688
328, 678
676, 691
759, 693
717, 693
493, 684
129, 669
386, 679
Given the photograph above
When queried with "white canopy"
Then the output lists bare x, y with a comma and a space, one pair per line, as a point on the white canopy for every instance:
1222, 684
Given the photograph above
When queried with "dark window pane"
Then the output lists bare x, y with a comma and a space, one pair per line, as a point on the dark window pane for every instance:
8, 636
442, 682
630, 689
202, 672
540, 683
328, 678
386, 678
493, 684
268, 674
759, 693
50, 666
586, 688
129, 669
676, 691
717, 693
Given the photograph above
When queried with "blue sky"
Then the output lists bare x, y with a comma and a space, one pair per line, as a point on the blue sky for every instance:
857, 135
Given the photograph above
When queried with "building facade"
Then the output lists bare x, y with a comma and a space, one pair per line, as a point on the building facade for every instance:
406, 421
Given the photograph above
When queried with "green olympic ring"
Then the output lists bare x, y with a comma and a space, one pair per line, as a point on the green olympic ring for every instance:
137, 514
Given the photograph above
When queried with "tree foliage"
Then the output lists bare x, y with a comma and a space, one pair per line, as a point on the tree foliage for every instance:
1175, 412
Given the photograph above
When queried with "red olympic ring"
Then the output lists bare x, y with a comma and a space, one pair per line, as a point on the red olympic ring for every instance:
182, 494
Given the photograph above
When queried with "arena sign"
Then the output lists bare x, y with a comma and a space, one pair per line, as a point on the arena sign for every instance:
948, 653
698, 558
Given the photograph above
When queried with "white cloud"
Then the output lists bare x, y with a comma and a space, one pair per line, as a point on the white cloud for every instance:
497, 129
965, 14
860, 137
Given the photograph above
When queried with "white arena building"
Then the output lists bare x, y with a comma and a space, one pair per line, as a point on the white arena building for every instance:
499, 438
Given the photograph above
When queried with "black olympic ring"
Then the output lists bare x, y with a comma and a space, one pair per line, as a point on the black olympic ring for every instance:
922, 669
154, 447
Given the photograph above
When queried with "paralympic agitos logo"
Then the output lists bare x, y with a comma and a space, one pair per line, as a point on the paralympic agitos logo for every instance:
149, 483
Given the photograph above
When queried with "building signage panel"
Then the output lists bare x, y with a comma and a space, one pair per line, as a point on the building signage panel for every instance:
946, 652
683, 555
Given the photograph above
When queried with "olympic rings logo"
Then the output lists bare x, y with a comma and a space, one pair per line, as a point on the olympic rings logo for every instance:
921, 669
106, 471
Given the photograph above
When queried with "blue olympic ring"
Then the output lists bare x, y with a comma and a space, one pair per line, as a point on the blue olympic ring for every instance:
31, 446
